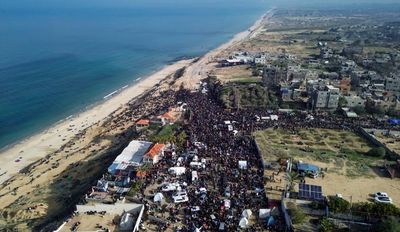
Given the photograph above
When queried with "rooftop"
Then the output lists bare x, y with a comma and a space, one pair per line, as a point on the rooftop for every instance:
155, 149
131, 155
102, 217
143, 122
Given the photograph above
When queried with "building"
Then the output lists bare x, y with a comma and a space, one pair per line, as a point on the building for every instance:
165, 118
272, 75
325, 98
325, 53
130, 158
124, 217
142, 124
353, 101
393, 85
154, 154
345, 86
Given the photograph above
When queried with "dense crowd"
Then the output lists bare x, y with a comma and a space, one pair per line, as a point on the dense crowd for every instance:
210, 138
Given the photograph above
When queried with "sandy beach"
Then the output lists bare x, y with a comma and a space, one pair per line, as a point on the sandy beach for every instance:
48, 141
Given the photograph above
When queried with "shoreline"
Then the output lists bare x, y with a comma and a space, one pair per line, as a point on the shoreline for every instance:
50, 139
53, 137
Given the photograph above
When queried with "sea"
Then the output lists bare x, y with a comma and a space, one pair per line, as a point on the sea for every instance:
58, 58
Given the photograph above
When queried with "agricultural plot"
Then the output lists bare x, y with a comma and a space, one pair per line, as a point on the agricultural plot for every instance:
342, 151
341, 154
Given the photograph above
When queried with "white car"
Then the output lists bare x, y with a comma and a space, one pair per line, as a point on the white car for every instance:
381, 194
171, 187
195, 209
201, 191
384, 200
180, 197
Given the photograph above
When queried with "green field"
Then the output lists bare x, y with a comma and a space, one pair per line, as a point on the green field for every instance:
342, 151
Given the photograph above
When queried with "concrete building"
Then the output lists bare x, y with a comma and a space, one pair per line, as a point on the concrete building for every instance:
393, 85
154, 154
272, 75
353, 101
345, 86
326, 98
124, 217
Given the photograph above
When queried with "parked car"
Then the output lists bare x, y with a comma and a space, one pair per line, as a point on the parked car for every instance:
381, 194
195, 209
171, 187
384, 200
180, 196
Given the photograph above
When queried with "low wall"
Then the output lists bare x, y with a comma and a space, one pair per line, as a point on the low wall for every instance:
372, 139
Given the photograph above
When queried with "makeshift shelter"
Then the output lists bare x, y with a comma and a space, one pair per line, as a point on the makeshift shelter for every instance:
243, 223
264, 213
304, 167
158, 197
246, 213
242, 164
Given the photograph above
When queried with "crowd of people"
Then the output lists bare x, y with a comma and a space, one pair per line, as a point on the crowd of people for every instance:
230, 188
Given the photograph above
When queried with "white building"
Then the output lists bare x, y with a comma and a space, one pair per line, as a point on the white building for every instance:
131, 156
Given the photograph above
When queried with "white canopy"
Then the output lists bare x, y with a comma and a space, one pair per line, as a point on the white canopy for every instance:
274, 117
264, 213
158, 197
242, 164
243, 223
177, 170
246, 213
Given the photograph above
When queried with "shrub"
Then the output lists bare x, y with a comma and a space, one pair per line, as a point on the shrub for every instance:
338, 205
388, 225
376, 152
326, 226
297, 215
376, 209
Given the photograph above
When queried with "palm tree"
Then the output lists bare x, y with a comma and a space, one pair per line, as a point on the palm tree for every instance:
291, 179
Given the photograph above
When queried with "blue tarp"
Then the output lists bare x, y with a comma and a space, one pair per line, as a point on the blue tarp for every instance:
307, 167
270, 221
394, 121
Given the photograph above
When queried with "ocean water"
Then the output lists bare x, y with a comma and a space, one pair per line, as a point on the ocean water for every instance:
58, 57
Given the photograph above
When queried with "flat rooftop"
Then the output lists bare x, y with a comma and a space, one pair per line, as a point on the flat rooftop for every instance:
131, 155
95, 222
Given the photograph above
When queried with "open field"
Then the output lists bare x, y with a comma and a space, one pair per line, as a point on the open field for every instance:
391, 140
341, 153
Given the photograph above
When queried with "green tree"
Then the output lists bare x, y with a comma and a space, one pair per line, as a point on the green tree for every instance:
388, 225
338, 205
291, 179
359, 110
372, 109
342, 102
297, 215
376, 152
326, 226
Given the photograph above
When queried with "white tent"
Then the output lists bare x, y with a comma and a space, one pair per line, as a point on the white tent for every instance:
246, 213
177, 170
242, 164
243, 223
274, 117
158, 197
264, 213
